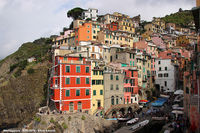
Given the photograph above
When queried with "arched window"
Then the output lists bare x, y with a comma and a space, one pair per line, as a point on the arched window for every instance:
112, 100
117, 100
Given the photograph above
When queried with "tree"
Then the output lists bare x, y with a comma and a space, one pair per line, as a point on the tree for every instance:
75, 13
180, 10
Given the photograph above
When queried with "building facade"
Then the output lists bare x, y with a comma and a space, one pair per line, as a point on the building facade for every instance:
71, 84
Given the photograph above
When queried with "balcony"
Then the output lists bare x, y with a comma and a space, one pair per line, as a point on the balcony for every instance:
71, 61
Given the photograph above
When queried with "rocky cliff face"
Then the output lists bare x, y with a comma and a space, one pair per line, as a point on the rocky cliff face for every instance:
23, 92
72, 123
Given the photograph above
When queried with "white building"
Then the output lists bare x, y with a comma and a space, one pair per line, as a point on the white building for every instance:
166, 74
91, 13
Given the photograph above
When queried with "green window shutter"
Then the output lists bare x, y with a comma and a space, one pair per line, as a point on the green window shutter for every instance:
67, 81
87, 69
77, 80
94, 92
87, 81
77, 92
67, 69
117, 77
133, 63
78, 69
130, 63
101, 92
111, 77
87, 92
67, 94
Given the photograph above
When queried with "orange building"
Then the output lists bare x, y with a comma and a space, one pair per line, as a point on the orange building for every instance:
83, 33
197, 3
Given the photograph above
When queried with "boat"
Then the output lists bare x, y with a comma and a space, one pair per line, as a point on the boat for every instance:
138, 125
132, 121
123, 119
112, 119
159, 118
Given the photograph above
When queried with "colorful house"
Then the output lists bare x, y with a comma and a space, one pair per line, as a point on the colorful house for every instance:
83, 33
71, 84
130, 85
97, 89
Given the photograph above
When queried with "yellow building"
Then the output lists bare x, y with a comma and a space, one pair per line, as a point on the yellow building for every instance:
126, 24
97, 89
182, 40
157, 26
95, 30
116, 37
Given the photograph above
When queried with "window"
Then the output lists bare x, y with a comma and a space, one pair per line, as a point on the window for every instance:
111, 87
158, 62
95, 72
88, 31
165, 74
67, 93
101, 92
77, 92
159, 75
87, 92
117, 77
117, 87
67, 69
78, 69
117, 100
87, 69
67, 81
87, 81
116, 56
100, 72
78, 81
165, 68
93, 82
165, 83
112, 100
94, 92
159, 68
111, 77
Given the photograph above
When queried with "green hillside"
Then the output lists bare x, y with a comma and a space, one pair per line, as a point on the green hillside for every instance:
23, 85
181, 18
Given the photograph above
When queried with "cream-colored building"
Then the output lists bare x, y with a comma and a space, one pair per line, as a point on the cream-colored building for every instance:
115, 37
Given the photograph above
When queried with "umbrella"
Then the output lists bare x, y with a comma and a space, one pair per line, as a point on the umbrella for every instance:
143, 101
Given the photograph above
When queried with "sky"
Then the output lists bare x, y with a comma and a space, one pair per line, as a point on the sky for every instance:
26, 20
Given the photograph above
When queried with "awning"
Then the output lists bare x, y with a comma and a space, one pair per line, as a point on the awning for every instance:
178, 92
177, 112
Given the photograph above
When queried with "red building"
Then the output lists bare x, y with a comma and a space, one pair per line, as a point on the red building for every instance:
71, 84
131, 85
113, 26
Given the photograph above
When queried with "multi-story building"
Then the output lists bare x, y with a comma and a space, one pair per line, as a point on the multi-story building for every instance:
108, 37
67, 39
113, 26
91, 13
130, 85
83, 33
88, 31
113, 87
166, 72
97, 88
157, 26
71, 84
